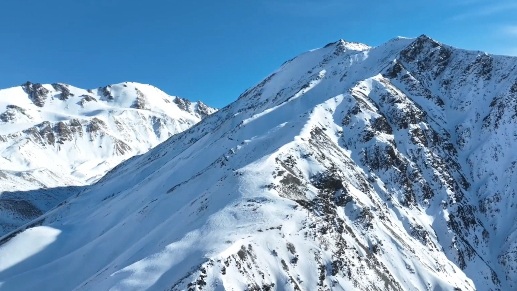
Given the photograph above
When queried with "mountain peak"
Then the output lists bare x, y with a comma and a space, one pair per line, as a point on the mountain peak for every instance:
421, 46
426, 39
349, 168
122, 95
424, 36
57, 135
344, 45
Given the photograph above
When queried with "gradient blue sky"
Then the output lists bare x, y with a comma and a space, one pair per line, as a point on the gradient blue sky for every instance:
214, 50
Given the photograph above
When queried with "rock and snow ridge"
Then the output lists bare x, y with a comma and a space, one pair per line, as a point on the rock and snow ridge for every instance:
349, 168
56, 137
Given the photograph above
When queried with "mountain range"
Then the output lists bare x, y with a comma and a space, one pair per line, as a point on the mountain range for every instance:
55, 138
349, 168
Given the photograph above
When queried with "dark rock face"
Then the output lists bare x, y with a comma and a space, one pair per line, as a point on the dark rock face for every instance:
48, 134
76, 127
37, 93
141, 101
85, 99
203, 110
183, 104
121, 148
9, 115
394, 70
64, 132
428, 55
106, 93
96, 125
200, 109
63, 88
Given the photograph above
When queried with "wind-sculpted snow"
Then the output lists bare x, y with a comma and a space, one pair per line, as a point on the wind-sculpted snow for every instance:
58, 136
349, 168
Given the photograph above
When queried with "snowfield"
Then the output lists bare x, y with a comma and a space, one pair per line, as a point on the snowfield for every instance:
349, 168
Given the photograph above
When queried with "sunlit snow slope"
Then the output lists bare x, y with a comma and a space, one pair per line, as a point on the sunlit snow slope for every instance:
56, 136
349, 168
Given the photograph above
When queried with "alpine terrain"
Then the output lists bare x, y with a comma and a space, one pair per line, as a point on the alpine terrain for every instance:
349, 168
55, 138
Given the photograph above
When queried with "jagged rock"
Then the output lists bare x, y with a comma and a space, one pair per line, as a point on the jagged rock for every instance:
106, 93
63, 88
85, 99
96, 125
140, 102
37, 93
183, 104
11, 112
64, 132
76, 127
203, 110
46, 132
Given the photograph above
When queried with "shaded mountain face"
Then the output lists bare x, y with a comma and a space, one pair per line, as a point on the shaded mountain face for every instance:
55, 138
349, 168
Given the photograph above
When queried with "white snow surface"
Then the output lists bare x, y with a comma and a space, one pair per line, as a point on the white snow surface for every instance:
349, 168
63, 136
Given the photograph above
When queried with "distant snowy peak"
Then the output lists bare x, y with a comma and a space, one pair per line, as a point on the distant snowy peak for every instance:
131, 116
125, 95
58, 135
345, 45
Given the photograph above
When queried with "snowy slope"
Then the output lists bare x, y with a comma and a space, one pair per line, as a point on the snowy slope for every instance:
61, 136
349, 168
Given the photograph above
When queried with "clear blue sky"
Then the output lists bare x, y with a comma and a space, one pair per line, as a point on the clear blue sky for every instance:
214, 50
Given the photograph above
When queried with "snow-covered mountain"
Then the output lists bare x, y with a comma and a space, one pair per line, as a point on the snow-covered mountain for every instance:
349, 168
56, 137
